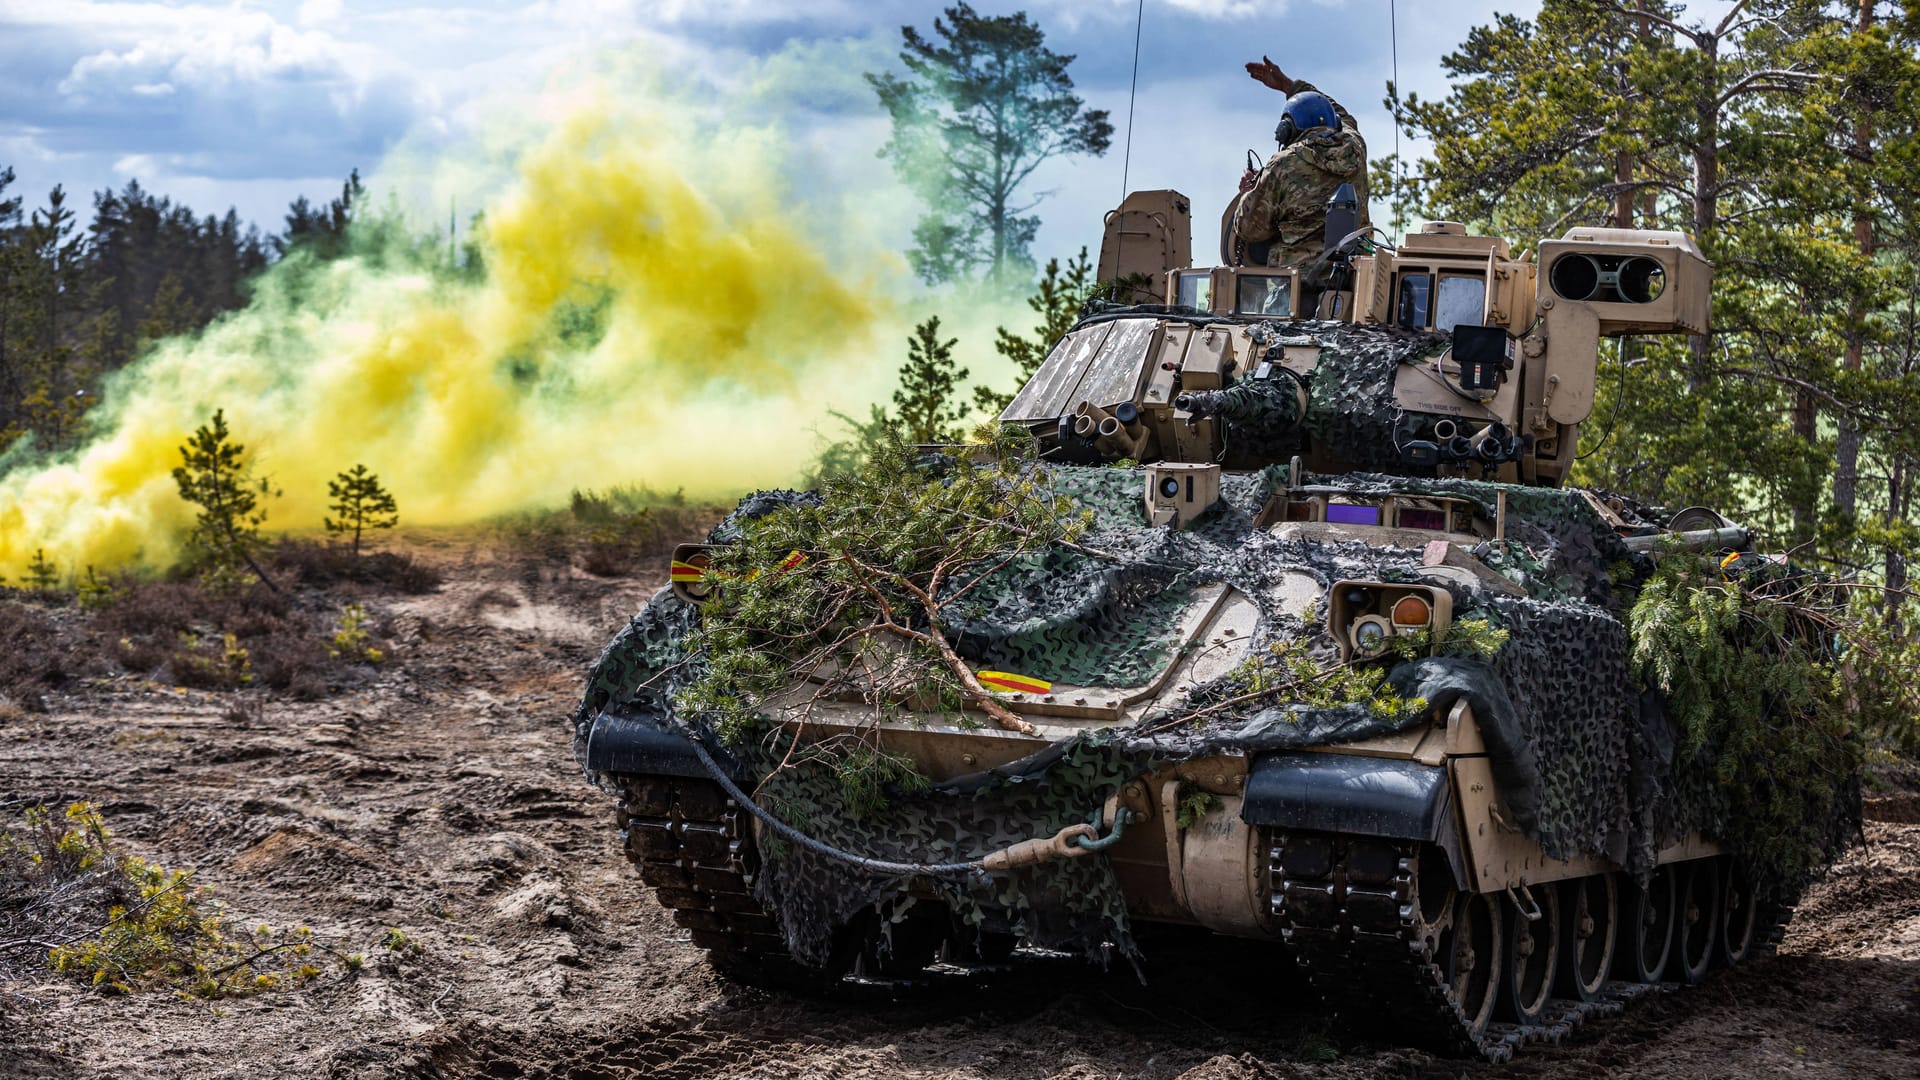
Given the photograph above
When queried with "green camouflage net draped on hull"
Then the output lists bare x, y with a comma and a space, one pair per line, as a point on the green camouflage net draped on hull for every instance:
1585, 757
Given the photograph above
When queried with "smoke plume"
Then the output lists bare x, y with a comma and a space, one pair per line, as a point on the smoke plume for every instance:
645, 301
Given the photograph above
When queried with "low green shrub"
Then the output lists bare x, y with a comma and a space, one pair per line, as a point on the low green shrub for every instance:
71, 899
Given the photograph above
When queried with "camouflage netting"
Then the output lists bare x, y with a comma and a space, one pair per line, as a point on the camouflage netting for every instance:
1350, 395
1353, 393
1070, 904
1584, 759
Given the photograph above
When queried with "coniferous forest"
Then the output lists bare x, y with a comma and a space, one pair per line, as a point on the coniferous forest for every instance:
82, 294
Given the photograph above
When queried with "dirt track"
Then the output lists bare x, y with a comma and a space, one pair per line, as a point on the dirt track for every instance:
441, 800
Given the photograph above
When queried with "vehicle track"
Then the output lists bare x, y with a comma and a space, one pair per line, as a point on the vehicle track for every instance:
1373, 951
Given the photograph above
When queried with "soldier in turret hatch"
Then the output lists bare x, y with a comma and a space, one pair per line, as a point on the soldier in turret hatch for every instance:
1281, 215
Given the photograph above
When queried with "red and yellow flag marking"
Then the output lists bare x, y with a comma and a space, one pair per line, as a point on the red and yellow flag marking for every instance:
691, 572
1018, 684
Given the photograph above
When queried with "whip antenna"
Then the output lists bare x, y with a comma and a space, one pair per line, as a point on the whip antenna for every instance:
1126, 156
1399, 169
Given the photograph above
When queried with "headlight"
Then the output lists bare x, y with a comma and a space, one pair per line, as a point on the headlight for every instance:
1364, 616
1369, 636
1412, 611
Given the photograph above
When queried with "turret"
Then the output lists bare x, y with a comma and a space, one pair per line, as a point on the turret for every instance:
1445, 356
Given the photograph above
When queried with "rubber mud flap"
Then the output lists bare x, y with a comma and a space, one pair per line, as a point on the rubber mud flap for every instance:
1340, 793
639, 746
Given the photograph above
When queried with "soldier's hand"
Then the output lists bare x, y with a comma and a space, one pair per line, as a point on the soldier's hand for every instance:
1246, 180
1267, 73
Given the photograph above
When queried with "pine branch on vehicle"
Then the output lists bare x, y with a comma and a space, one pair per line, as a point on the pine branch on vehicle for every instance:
850, 591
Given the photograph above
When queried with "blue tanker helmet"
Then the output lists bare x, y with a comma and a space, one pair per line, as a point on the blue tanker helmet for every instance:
1305, 111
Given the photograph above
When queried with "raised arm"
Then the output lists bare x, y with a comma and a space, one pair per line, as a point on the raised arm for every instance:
1267, 73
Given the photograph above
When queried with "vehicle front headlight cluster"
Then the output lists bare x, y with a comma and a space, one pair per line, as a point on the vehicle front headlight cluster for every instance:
1366, 616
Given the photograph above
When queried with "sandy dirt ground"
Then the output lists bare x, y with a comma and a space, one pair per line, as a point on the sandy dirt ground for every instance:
441, 800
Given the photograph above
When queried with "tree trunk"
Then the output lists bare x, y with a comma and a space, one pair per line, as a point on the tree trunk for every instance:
9, 393
1706, 184
1846, 471
1623, 199
1896, 563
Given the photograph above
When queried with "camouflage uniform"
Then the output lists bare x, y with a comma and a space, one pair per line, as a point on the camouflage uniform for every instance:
1288, 203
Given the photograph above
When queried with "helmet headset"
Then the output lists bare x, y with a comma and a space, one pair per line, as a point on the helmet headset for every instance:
1304, 112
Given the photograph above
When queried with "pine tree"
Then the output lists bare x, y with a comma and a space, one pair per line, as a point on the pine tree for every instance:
77, 305
984, 103
216, 476
171, 311
928, 394
363, 505
41, 574
848, 454
323, 230
17, 310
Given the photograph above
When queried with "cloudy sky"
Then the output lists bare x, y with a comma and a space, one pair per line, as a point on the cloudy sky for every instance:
248, 103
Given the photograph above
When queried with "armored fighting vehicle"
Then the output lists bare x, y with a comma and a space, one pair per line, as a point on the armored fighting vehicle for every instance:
1291, 478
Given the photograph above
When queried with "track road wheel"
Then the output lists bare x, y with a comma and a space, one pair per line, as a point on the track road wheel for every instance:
1470, 950
1435, 899
894, 941
1739, 915
1646, 924
1697, 920
1533, 953
968, 947
1589, 908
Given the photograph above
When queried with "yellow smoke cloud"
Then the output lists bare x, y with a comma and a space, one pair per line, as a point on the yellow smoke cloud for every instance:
655, 308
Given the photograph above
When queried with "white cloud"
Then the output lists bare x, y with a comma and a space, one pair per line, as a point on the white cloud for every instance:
1224, 9
135, 165
207, 48
1071, 15
319, 12
244, 99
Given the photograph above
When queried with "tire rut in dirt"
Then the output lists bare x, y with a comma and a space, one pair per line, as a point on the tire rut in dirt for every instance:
664, 1050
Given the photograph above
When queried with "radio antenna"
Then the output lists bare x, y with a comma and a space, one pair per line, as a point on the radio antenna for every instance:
1399, 167
1126, 157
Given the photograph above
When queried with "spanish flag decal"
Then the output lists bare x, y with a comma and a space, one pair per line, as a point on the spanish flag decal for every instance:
1018, 684
687, 572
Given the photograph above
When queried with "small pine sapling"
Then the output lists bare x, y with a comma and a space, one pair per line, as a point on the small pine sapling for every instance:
362, 503
928, 396
351, 641
41, 574
216, 476
94, 593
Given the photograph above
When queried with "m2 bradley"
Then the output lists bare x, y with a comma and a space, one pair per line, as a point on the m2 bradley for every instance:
1335, 660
